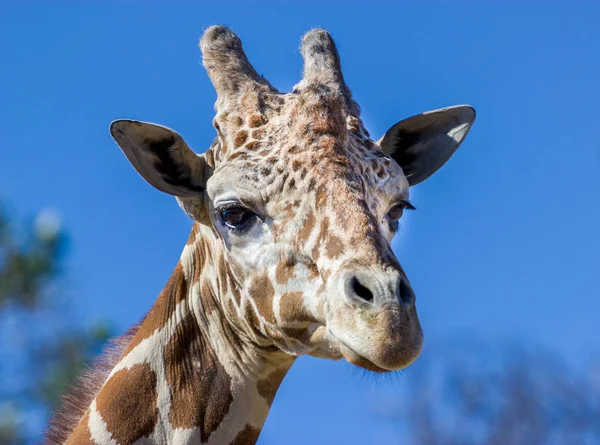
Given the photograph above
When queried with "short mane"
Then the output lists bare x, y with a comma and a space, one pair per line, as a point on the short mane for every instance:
81, 393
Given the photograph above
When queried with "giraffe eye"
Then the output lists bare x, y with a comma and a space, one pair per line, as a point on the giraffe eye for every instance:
395, 213
237, 218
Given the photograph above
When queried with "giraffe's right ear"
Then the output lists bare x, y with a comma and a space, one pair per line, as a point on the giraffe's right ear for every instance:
162, 157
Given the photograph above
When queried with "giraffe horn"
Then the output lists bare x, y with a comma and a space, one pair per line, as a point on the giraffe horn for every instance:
225, 61
322, 64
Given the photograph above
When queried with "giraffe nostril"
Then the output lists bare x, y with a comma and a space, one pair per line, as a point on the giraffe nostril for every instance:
407, 295
362, 292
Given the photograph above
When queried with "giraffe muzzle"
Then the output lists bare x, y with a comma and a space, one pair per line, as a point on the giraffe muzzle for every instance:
374, 320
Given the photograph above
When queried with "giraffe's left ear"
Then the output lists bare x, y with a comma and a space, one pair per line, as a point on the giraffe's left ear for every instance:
161, 157
422, 144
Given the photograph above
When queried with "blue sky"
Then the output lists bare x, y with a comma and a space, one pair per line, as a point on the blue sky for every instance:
505, 241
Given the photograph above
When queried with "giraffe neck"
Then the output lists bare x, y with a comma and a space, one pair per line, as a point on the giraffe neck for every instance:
189, 375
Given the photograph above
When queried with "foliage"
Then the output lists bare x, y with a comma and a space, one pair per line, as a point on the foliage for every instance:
41, 348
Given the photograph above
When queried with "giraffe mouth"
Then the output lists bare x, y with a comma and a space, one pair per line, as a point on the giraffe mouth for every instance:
355, 358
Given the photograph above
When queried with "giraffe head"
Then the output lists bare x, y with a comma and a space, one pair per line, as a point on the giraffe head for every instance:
302, 204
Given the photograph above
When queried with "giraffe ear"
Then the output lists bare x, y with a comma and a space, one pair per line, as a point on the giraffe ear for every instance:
161, 157
422, 144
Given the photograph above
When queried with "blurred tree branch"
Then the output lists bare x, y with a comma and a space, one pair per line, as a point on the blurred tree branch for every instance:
509, 395
26, 267
41, 350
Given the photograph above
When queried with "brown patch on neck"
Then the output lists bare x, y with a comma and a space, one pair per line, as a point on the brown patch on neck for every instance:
200, 255
175, 291
128, 404
200, 387
268, 386
81, 435
223, 275
251, 316
68, 419
193, 234
248, 436
69, 422
208, 297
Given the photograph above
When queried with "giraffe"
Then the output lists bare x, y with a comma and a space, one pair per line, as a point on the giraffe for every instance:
294, 207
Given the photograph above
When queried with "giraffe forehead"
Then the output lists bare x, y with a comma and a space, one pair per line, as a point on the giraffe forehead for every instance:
280, 148
255, 121
290, 173
322, 142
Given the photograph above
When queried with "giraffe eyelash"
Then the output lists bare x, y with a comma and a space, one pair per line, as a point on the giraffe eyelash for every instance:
406, 205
